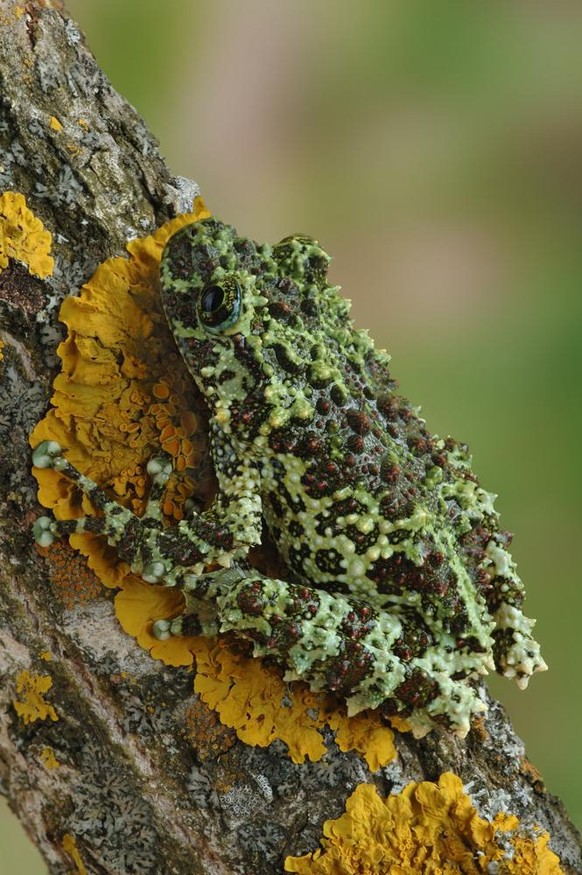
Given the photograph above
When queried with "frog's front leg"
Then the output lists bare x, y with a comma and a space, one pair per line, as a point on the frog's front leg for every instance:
159, 554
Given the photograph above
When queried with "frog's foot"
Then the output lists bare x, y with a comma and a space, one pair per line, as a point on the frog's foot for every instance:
49, 454
46, 531
200, 614
333, 642
517, 654
134, 537
183, 625
159, 468
115, 518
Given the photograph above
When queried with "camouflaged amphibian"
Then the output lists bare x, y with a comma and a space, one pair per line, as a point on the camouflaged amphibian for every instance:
401, 588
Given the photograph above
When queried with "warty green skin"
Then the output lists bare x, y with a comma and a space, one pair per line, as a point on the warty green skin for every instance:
400, 587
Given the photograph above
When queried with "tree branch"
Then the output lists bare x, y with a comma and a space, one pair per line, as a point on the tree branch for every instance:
108, 757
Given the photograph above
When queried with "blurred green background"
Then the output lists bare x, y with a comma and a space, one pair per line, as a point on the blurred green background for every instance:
435, 149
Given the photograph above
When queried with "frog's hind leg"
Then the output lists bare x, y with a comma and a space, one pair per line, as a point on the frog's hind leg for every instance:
332, 642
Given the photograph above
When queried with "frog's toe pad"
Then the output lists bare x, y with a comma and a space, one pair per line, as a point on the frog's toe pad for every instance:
44, 531
164, 629
159, 468
47, 454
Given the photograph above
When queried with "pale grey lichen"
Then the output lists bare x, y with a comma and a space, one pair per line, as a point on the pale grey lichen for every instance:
113, 818
64, 192
240, 803
181, 194
200, 788
50, 75
263, 844
72, 32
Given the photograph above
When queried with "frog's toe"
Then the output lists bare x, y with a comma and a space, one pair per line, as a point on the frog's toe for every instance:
164, 629
45, 531
47, 454
456, 705
159, 468
161, 629
153, 572
189, 622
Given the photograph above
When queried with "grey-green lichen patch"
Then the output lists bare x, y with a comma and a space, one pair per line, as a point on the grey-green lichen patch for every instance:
22, 402
401, 588
112, 818
81, 153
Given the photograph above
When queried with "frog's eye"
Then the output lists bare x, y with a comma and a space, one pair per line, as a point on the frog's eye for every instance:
219, 305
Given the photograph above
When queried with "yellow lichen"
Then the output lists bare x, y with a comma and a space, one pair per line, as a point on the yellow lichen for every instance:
429, 828
32, 705
533, 857
49, 759
55, 124
138, 605
401, 724
23, 236
255, 702
122, 395
70, 846
366, 734
253, 699
2, 345
249, 696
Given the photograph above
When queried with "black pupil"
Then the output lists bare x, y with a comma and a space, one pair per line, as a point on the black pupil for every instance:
213, 299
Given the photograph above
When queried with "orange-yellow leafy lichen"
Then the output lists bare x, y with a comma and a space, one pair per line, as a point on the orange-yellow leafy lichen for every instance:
253, 699
532, 856
138, 605
429, 828
55, 124
249, 696
23, 236
366, 734
70, 846
255, 702
49, 759
121, 396
401, 724
31, 705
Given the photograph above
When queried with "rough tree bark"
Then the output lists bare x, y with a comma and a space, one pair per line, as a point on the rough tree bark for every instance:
131, 793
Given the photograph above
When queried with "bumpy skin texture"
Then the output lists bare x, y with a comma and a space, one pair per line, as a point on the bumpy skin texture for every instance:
401, 588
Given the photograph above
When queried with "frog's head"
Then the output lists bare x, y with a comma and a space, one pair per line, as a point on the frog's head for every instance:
258, 327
